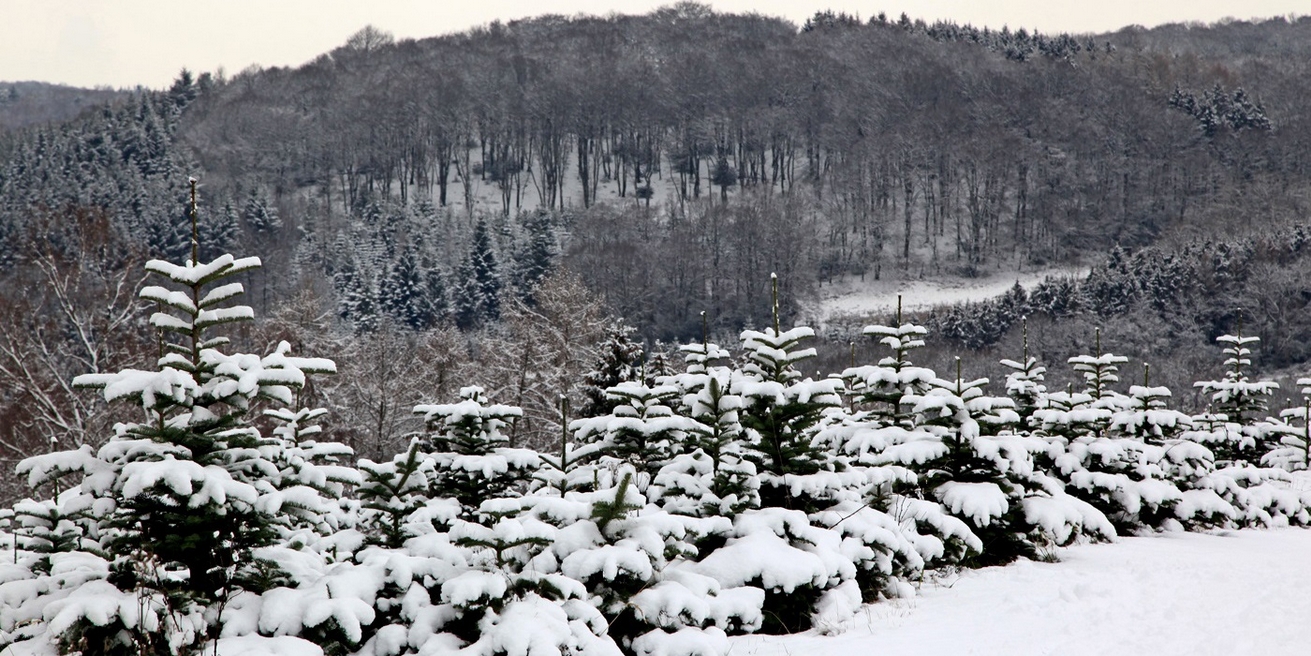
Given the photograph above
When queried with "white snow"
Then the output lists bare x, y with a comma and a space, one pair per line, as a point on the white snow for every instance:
1183, 594
852, 297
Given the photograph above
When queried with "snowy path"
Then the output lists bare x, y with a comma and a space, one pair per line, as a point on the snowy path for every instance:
1246, 592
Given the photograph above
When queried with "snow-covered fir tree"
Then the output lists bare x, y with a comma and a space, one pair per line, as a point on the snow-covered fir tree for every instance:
403, 293
620, 360
782, 410
473, 460
1294, 451
1238, 403
1024, 383
476, 295
171, 511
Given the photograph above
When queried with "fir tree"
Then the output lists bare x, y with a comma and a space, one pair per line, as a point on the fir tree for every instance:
642, 430
435, 302
356, 300
619, 361
181, 500
714, 477
260, 217
1147, 417
472, 461
881, 388
401, 294
1098, 370
478, 283
535, 257
1238, 403
1025, 382
1294, 451
782, 409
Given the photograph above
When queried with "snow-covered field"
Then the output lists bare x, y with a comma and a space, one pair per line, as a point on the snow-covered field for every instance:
1243, 592
852, 297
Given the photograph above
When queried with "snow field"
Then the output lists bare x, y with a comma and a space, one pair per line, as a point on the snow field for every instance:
852, 297
1173, 594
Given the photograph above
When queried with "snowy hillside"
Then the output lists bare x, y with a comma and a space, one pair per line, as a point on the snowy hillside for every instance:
854, 298
1241, 592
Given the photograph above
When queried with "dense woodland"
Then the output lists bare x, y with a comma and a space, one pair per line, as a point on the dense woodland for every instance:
473, 395
504, 196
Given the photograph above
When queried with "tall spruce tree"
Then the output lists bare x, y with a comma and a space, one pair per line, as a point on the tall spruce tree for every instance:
478, 283
402, 293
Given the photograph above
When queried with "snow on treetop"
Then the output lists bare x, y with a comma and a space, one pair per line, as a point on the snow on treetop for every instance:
904, 330
197, 274
752, 339
1142, 392
471, 406
1238, 341
1095, 361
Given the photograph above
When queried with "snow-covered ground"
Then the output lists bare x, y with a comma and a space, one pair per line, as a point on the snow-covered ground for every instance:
852, 297
1244, 592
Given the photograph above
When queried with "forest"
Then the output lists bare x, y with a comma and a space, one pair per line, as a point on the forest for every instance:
465, 195
519, 340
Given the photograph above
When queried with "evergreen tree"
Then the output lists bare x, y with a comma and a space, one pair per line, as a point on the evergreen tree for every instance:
179, 502
478, 283
979, 478
620, 361
395, 499
436, 304
1098, 370
535, 257
1294, 452
1025, 382
401, 293
641, 430
781, 411
1237, 435
714, 477
881, 388
356, 300
1147, 416
472, 461
260, 217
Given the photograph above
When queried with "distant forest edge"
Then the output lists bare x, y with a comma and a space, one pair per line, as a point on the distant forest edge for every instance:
673, 161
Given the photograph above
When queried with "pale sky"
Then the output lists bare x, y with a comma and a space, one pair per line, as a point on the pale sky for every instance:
125, 43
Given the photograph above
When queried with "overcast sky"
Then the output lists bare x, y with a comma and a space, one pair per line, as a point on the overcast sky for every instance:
124, 43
